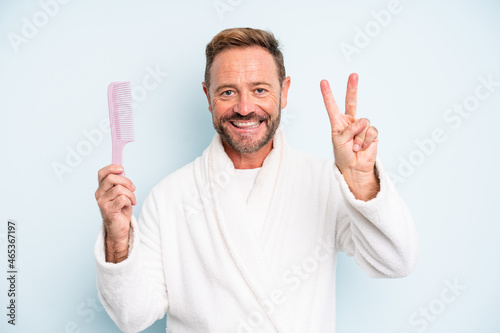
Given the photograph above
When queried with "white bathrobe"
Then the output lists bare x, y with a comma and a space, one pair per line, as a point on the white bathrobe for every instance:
196, 255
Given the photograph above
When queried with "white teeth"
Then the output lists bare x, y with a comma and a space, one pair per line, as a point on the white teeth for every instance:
250, 124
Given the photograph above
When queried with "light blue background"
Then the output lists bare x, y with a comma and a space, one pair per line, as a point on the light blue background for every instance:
428, 58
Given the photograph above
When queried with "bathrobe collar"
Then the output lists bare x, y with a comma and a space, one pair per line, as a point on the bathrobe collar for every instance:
235, 217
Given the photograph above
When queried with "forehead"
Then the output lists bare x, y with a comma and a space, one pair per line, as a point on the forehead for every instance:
244, 63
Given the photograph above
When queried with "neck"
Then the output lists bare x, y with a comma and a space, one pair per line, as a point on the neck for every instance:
248, 161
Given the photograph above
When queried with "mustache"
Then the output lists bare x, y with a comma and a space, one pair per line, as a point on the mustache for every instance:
252, 116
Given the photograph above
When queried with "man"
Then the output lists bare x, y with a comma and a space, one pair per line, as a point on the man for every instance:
245, 238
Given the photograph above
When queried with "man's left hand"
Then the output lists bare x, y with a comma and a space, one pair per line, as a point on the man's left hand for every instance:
354, 142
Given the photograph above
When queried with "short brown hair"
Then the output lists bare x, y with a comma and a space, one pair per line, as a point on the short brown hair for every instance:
243, 37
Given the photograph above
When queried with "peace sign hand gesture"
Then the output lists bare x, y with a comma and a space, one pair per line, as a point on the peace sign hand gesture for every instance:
354, 142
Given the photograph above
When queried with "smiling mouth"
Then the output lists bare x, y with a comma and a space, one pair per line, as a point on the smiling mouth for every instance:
246, 124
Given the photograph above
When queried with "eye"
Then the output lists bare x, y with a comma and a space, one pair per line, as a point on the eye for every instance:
227, 93
260, 90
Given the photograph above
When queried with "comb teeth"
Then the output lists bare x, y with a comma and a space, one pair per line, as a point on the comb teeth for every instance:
122, 115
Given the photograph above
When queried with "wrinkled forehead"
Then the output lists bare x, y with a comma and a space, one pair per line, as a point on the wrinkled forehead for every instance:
244, 64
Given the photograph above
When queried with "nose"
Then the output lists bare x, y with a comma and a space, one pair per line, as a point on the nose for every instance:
244, 105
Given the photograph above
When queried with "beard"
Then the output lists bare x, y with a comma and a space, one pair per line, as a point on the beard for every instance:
246, 144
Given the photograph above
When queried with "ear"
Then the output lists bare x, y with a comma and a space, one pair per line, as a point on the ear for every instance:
284, 91
205, 90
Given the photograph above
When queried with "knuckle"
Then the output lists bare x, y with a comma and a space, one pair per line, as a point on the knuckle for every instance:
111, 178
103, 171
100, 202
118, 189
123, 200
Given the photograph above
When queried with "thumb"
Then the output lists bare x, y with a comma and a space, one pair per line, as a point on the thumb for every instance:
353, 129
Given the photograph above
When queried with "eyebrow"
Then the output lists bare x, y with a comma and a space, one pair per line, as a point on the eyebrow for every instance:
225, 86
262, 83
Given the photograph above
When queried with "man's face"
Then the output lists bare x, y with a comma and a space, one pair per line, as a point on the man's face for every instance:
245, 97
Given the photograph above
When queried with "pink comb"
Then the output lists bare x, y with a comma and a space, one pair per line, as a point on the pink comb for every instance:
121, 117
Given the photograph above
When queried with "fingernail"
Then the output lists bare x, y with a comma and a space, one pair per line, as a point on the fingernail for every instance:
119, 168
356, 147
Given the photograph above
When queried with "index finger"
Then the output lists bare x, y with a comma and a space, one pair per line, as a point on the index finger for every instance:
330, 104
104, 172
351, 96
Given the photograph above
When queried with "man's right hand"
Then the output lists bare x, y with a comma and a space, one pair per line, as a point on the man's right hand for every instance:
115, 197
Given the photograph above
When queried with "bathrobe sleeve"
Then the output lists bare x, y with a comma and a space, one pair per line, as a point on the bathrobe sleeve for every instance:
379, 233
134, 291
